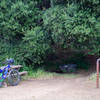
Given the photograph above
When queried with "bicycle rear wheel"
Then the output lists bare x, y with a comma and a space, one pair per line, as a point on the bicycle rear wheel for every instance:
13, 77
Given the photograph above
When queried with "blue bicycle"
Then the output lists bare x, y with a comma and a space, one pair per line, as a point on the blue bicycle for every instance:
11, 74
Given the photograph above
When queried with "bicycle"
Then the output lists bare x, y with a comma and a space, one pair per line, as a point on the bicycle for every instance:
12, 75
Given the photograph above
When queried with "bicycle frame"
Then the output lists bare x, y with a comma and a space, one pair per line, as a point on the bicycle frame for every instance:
4, 73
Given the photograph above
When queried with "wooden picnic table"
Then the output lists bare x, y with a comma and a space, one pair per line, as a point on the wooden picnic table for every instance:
16, 67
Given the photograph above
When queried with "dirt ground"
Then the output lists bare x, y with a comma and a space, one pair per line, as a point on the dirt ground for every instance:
79, 88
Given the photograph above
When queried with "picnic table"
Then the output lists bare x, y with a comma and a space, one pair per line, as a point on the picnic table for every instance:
18, 68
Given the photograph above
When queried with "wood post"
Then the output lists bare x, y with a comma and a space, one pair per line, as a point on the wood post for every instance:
97, 82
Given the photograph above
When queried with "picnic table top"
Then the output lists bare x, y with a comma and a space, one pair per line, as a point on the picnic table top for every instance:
13, 66
16, 67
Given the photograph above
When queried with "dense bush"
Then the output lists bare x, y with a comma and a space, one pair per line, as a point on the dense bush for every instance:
16, 18
73, 28
32, 29
80, 60
35, 46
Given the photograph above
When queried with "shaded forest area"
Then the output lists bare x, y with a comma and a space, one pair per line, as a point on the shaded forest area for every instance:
50, 32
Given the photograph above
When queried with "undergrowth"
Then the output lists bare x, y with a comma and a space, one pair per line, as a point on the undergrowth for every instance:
40, 73
93, 76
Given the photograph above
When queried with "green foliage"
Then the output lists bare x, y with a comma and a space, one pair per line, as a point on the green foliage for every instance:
39, 73
57, 2
73, 28
16, 18
30, 29
80, 60
11, 51
35, 45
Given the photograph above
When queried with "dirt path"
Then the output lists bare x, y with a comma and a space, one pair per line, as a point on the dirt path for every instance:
52, 89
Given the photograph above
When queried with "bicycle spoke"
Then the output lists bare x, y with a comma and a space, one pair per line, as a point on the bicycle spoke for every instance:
14, 76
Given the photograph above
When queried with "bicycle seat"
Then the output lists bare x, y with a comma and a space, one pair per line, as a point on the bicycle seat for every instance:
10, 61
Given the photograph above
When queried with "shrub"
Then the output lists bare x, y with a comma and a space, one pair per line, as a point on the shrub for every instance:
30, 30
35, 46
72, 27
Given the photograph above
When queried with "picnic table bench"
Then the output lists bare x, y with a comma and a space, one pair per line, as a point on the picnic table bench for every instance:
18, 68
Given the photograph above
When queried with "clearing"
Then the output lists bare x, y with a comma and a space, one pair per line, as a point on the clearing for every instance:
59, 88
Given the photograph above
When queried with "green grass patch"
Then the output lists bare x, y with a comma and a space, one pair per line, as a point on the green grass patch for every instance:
93, 76
42, 74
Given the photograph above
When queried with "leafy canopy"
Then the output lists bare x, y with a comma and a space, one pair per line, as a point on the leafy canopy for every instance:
31, 29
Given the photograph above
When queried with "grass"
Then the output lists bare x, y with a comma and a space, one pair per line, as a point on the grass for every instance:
93, 76
41, 74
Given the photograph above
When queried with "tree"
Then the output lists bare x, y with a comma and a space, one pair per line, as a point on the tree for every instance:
29, 29
73, 27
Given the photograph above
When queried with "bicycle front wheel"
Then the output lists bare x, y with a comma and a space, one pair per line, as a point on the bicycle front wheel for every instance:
13, 77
